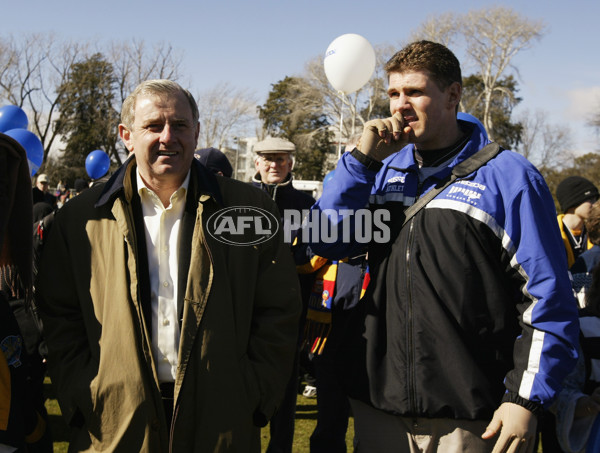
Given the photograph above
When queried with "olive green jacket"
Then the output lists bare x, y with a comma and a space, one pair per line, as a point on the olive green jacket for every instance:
239, 319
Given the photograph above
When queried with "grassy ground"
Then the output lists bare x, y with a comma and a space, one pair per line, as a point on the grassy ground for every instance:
60, 433
306, 419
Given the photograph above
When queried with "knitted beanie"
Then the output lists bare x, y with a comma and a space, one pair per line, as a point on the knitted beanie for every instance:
573, 191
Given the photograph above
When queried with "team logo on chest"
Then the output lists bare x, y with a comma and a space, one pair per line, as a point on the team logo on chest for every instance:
466, 191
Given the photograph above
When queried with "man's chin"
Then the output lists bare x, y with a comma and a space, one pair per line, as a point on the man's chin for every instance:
274, 180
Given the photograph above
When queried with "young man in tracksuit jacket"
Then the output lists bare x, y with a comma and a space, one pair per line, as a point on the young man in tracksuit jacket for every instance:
469, 316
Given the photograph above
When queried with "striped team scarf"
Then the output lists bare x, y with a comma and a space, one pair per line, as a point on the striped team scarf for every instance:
320, 303
318, 317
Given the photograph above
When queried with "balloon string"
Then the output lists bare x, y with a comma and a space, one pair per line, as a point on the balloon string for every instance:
341, 125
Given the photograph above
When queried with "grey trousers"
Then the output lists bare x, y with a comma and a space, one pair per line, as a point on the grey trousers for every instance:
379, 432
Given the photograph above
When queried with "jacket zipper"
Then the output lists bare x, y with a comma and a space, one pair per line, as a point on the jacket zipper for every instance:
410, 372
411, 361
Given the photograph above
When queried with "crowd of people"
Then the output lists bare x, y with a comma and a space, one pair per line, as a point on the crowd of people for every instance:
172, 313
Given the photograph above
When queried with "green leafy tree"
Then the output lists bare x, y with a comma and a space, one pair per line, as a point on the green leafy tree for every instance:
293, 110
88, 120
503, 101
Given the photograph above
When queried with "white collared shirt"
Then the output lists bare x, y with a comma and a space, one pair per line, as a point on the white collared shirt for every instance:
162, 227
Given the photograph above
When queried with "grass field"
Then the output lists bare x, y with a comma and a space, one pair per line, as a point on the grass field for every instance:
306, 419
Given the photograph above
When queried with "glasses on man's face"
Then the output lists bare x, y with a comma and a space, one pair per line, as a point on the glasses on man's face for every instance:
279, 160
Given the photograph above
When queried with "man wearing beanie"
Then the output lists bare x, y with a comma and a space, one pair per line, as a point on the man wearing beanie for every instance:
575, 195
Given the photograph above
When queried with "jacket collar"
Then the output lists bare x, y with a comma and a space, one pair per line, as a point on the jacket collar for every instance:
273, 189
405, 158
202, 182
256, 179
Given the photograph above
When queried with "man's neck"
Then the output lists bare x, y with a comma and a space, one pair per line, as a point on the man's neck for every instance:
445, 137
434, 157
163, 189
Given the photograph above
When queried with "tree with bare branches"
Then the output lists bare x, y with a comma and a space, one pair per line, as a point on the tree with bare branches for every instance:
594, 119
545, 145
34, 67
134, 62
490, 38
347, 113
225, 112
442, 28
493, 36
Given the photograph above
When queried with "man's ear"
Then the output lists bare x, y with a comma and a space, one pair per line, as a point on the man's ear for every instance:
454, 95
125, 135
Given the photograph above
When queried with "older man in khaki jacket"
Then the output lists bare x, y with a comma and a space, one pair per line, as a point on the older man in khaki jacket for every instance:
170, 301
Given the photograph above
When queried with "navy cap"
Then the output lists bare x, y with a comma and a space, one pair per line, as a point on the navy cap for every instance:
215, 160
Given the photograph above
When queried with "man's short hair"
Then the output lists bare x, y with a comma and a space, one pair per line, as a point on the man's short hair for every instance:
592, 224
158, 87
434, 58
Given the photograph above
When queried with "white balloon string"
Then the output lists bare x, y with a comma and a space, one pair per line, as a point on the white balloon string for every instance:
341, 125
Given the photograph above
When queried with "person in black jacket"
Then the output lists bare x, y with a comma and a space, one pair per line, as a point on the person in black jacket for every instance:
274, 163
470, 323
21, 425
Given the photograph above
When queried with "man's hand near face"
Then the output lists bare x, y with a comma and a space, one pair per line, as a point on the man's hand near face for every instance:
383, 137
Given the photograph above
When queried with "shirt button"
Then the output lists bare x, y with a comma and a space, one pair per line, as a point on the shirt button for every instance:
165, 284
166, 322
165, 249
155, 424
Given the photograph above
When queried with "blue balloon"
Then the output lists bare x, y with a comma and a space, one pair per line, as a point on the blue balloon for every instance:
97, 164
328, 177
12, 117
32, 145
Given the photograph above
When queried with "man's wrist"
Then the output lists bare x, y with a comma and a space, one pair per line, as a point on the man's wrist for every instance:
531, 406
367, 161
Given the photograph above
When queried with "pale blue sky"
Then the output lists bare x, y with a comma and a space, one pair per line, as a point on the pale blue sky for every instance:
253, 44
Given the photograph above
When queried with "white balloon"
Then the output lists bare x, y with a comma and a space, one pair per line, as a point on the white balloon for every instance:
349, 62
